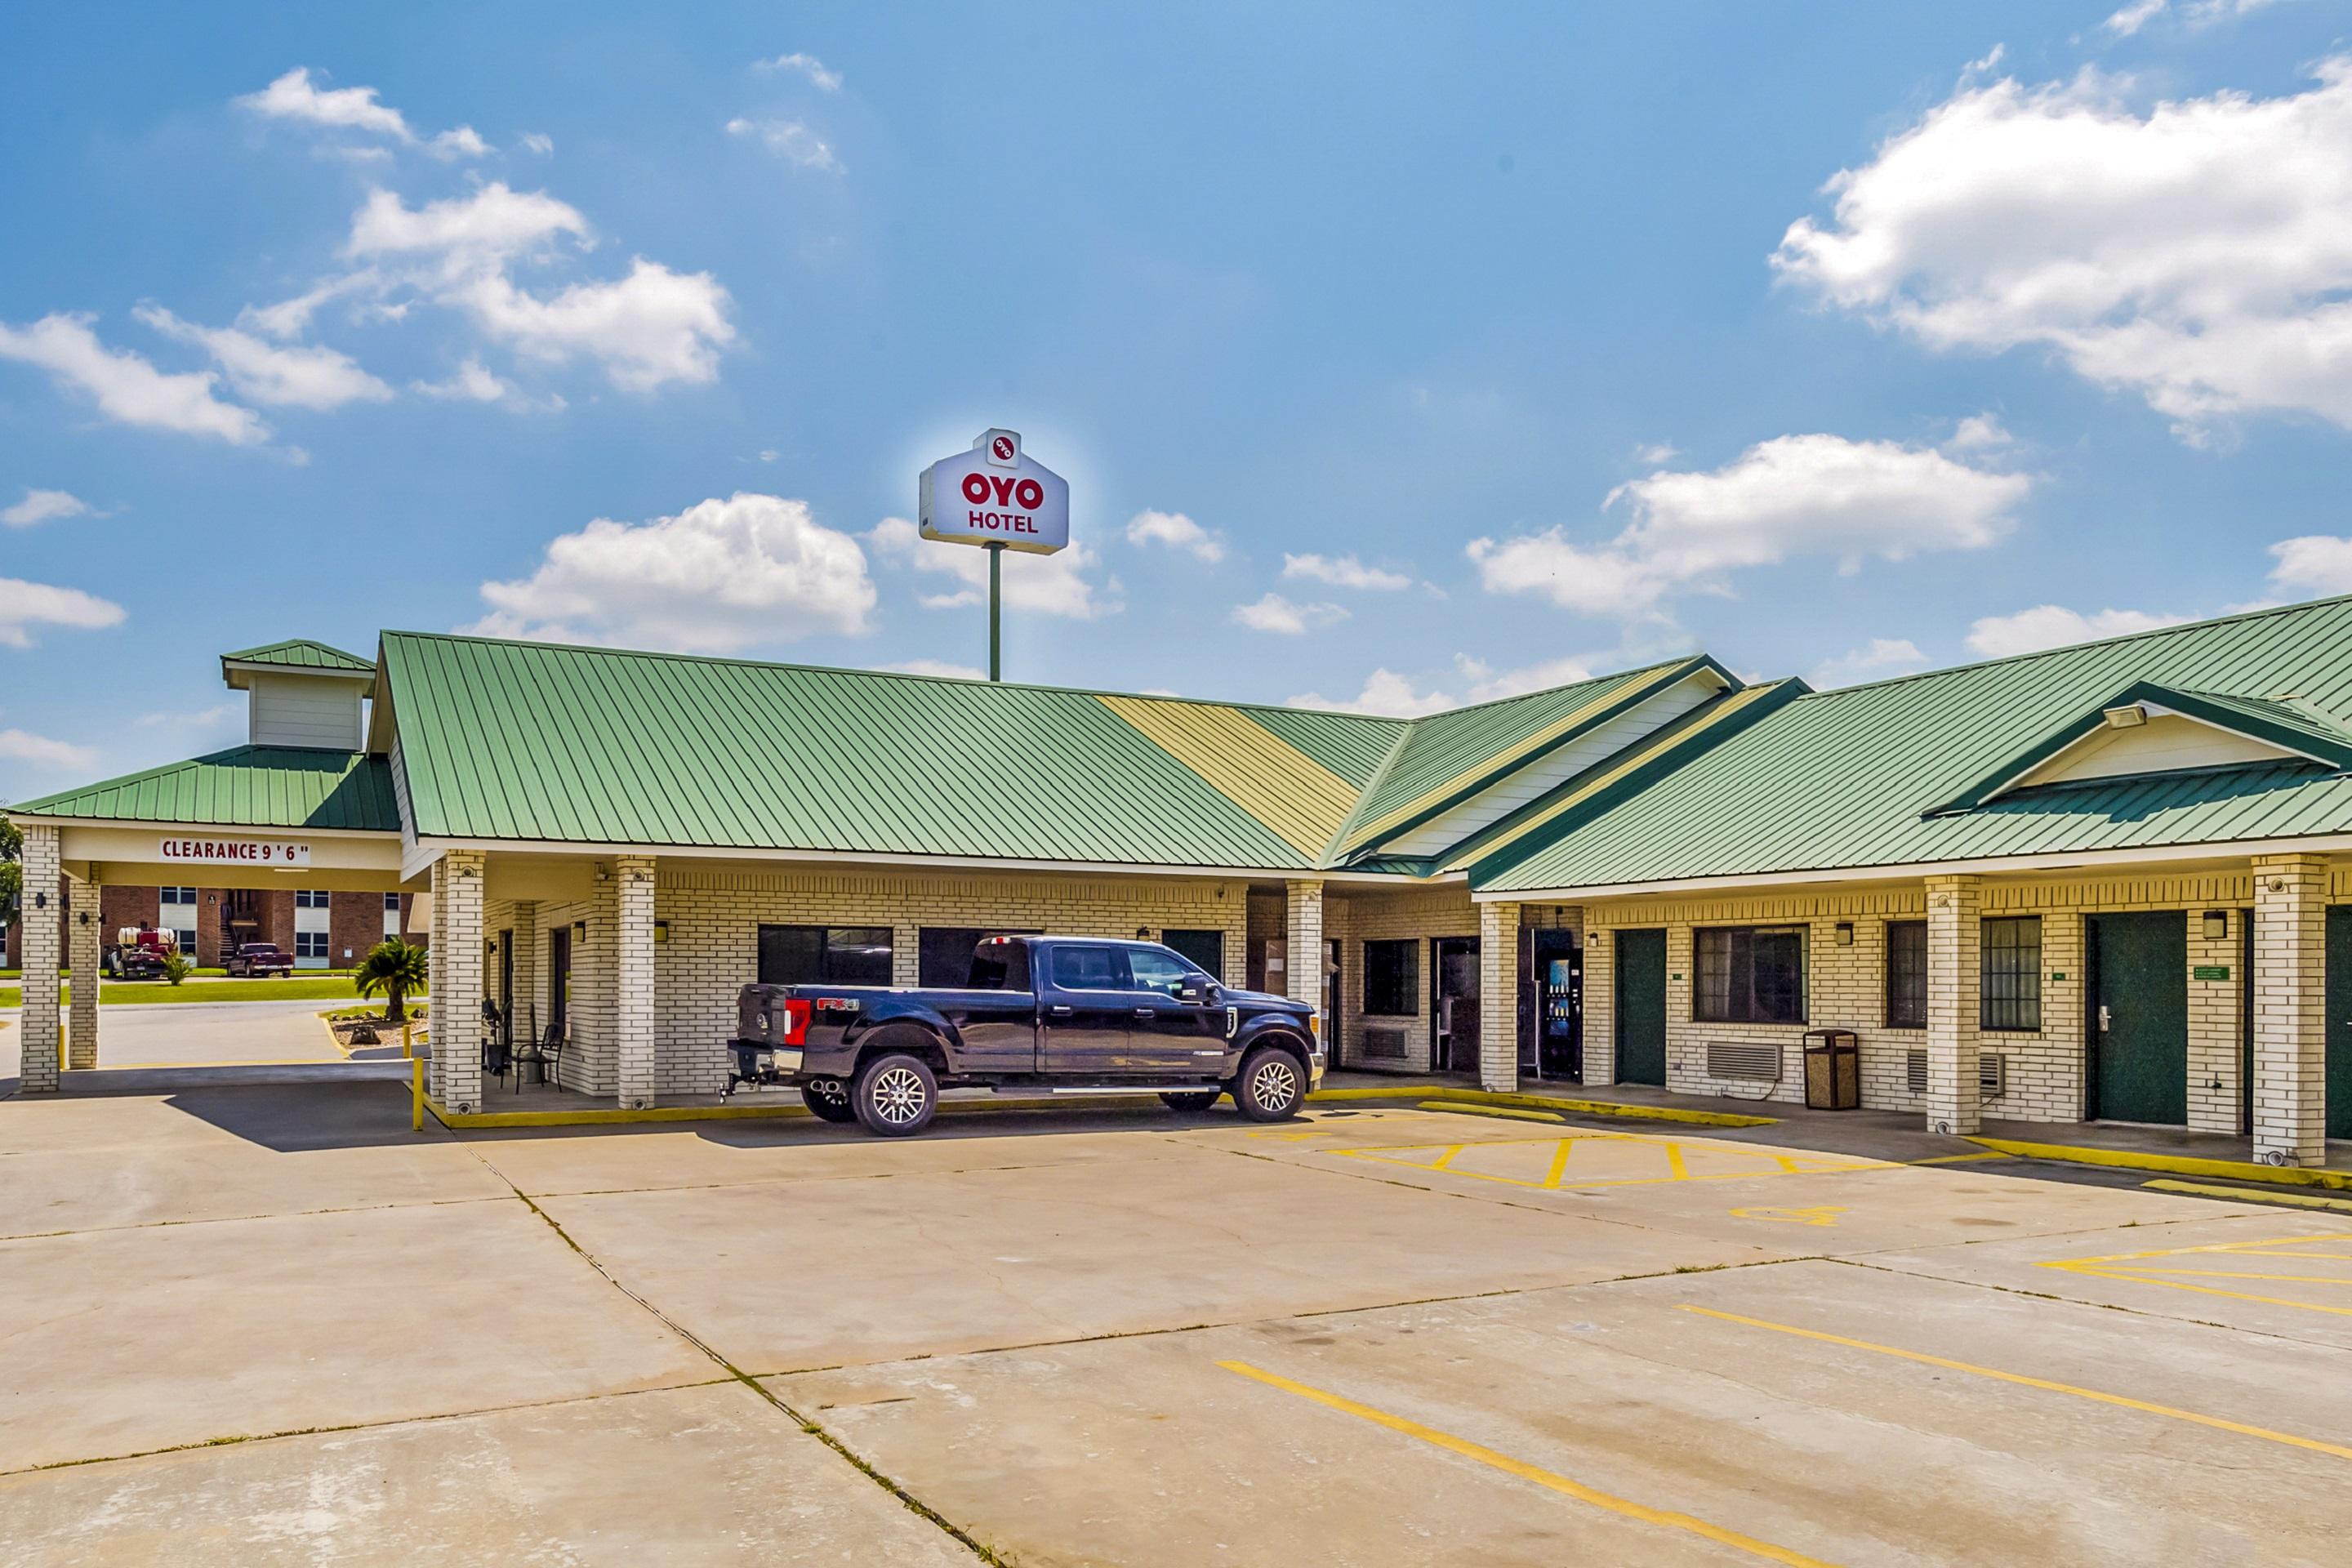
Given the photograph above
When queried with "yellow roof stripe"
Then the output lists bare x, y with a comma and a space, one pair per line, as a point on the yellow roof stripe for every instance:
1641, 752
1507, 757
1301, 800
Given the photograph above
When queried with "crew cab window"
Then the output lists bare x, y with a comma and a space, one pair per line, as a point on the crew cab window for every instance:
833, 955
1155, 971
944, 955
999, 966
1089, 969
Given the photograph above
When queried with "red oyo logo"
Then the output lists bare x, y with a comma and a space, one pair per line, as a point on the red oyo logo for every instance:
982, 489
1003, 448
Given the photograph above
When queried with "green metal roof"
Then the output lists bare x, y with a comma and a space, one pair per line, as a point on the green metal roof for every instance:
245, 786
1447, 757
1841, 779
300, 653
531, 741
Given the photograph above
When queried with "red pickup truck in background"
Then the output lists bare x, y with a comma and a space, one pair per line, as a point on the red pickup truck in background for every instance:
254, 958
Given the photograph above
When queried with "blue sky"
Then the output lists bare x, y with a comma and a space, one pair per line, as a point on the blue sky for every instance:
1394, 356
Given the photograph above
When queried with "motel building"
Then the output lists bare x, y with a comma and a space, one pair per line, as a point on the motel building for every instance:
2108, 882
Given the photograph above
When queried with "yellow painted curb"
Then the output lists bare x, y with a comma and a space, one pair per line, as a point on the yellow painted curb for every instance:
1636, 1112
1513, 1111
2178, 1165
2300, 1200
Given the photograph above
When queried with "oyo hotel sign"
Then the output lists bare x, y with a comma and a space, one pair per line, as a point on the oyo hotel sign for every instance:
278, 852
996, 494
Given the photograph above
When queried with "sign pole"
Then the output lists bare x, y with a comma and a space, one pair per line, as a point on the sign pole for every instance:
995, 604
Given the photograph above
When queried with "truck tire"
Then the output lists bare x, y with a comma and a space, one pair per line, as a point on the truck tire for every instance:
828, 1098
1191, 1102
1271, 1086
895, 1094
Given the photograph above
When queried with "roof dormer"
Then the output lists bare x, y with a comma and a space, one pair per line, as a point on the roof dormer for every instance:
2148, 729
301, 693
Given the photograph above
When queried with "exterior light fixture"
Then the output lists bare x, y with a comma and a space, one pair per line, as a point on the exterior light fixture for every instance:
40, 900
1845, 933
2130, 716
1143, 933
2216, 925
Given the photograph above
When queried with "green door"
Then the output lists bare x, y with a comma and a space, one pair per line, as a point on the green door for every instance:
2140, 1016
1641, 1007
2339, 1021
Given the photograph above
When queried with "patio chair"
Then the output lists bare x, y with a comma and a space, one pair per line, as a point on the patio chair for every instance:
550, 1057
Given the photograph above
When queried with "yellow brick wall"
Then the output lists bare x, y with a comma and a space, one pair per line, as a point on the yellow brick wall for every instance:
1355, 918
2044, 1077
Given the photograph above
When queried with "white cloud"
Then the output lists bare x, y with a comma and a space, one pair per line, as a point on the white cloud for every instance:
307, 376
2134, 16
1177, 532
1795, 495
1343, 572
126, 388
1979, 432
790, 139
44, 506
2197, 254
25, 605
463, 233
2314, 564
538, 141
1656, 453
935, 666
719, 577
2053, 625
295, 96
1876, 659
1385, 692
1057, 584
213, 718
470, 381
809, 66
1276, 613
648, 328
40, 752
291, 319
1487, 683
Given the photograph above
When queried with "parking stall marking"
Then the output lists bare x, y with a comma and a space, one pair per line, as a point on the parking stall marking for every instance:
1625, 1160
2024, 1381
2157, 1267
1550, 1480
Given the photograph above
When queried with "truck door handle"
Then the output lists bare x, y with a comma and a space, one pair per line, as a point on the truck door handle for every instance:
1147, 1012
1058, 1012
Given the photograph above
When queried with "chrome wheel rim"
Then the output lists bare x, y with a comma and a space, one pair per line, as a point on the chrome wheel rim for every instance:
1275, 1085
898, 1096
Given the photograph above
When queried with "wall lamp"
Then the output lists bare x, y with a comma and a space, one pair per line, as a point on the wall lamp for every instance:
1845, 933
1143, 933
2216, 925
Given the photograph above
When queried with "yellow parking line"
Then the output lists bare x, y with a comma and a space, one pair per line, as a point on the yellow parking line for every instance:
2130, 1277
1623, 1507
2021, 1379
1680, 1172
1558, 1163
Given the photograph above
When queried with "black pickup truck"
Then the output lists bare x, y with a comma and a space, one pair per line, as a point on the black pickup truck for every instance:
1039, 1016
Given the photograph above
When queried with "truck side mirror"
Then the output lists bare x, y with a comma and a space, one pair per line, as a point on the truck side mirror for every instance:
1193, 991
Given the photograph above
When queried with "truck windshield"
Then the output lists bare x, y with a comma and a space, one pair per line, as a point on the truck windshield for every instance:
1000, 966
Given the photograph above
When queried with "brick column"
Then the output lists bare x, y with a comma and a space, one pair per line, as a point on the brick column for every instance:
1600, 1005
41, 1024
85, 943
2290, 1009
1498, 996
526, 975
1303, 941
633, 981
457, 989
1955, 985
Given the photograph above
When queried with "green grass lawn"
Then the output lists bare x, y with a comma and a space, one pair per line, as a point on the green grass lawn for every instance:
149, 993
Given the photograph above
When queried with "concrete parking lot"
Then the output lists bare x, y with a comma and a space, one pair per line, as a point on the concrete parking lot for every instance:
270, 1325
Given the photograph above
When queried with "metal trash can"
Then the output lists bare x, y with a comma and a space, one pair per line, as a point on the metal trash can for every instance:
1833, 1069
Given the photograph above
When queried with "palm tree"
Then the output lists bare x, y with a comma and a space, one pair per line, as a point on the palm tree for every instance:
395, 968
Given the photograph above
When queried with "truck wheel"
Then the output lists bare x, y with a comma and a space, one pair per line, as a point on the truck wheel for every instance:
829, 1098
1271, 1085
1191, 1102
895, 1094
